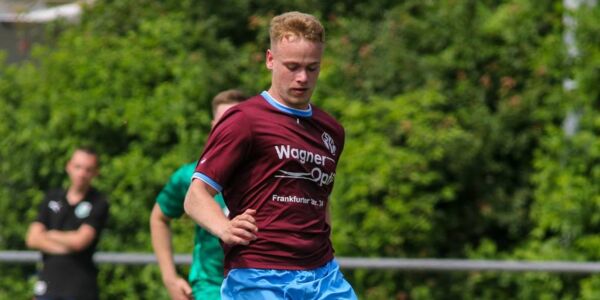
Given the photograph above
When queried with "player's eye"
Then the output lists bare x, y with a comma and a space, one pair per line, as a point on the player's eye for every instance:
292, 67
313, 68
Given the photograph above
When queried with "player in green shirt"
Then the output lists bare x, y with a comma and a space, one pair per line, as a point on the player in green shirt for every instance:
206, 272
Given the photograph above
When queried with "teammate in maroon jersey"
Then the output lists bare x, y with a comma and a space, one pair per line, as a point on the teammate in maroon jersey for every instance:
274, 158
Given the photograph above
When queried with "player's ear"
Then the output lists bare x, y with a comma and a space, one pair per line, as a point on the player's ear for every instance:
269, 59
96, 172
68, 166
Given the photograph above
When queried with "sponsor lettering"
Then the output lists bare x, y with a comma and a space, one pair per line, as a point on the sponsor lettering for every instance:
296, 199
303, 156
316, 175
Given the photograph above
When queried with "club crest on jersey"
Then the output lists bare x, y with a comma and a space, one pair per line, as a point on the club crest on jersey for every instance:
328, 141
83, 210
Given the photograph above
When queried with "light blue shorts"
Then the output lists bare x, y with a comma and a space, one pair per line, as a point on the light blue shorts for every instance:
324, 283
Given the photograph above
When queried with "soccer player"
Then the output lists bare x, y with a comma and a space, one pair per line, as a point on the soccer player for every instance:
206, 272
274, 158
67, 230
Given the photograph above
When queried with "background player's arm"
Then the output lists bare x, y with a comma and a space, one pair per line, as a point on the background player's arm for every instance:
37, 238
74, 240
207, 213
161, 242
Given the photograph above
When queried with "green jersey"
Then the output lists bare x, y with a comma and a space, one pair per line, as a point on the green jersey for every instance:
206, 272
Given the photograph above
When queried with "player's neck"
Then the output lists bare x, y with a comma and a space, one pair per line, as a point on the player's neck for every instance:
75, 195
277, 98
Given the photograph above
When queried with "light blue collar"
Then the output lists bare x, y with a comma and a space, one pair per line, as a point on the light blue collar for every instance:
288, 110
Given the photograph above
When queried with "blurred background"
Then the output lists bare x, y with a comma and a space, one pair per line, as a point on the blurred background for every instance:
472, 129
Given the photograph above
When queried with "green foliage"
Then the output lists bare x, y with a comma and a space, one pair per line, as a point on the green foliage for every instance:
453, 113
140, 97
405, 140
565, 211
17, 282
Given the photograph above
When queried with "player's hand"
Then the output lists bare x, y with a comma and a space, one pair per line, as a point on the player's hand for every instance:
179, 289
241, 230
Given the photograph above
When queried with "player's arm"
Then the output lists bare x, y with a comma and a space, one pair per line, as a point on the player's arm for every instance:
74, 240
37, 238
161, 242
201, 207
81, 238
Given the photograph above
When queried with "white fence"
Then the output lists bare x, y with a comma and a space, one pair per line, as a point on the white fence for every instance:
407, 264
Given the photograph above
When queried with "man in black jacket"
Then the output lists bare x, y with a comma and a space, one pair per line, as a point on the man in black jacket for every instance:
67, 230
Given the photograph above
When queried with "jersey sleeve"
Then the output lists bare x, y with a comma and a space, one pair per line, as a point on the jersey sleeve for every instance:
98, 215
171, 197
342, 142
43, 215
228, 145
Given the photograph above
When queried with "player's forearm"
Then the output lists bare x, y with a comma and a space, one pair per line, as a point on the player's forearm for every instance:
65, 238
51, 247
74, 240
203, 209
39, 241
160, 233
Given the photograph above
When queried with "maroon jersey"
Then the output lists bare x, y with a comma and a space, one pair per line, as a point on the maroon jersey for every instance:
280, 161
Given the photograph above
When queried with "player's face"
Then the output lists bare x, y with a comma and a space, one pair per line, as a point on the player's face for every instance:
82, 168
219, 111
295, 64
